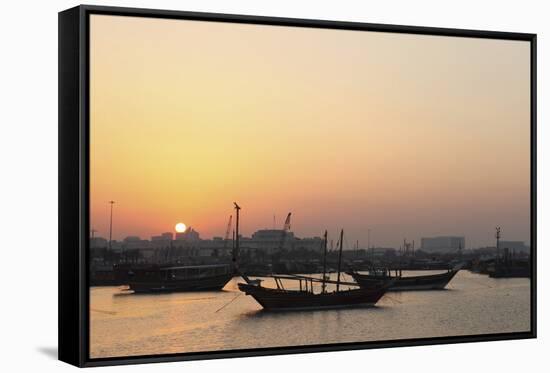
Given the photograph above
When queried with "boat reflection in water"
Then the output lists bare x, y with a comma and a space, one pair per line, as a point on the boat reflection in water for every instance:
281, 299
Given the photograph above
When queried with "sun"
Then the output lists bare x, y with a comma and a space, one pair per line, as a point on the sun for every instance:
180, 227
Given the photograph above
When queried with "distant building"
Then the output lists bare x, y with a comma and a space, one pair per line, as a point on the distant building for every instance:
442, 244
269, 240
98, 243
274, 235
517, 246
131, 239
189, 244
168, 236
161, 241
382, 251
373, 252
189, 235
134, 242
309, 243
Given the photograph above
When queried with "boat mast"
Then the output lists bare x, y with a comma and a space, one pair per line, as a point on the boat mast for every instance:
340, 259
111, 225
497, 236
236, 250
233, 243
237, 246
325, 262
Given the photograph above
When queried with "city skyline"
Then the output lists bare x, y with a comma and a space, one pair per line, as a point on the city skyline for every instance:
274, 118
349, 242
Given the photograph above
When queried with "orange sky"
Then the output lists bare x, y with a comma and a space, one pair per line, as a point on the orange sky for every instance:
407, 135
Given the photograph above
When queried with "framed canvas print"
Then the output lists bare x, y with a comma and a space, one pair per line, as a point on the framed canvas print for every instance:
237, 185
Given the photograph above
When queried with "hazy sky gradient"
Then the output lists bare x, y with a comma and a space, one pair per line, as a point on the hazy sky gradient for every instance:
407, 135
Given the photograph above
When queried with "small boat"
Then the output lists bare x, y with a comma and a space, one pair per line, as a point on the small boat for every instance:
425, 282
158, 279
281, 299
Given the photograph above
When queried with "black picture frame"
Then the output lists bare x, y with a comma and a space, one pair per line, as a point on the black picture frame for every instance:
74, 187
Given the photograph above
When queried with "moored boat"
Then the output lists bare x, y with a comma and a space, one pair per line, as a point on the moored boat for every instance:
424, 282
156, 279
281, 299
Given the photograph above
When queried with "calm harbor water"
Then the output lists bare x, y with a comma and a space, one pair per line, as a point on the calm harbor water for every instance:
127, 324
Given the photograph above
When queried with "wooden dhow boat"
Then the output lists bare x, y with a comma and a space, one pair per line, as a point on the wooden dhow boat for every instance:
163, 279
305, 298
424, 282
282, 299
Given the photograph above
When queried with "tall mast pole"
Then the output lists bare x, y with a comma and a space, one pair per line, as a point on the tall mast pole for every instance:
236, 251
233, 243
497, 236
111, 224
325, 261
340, 259
237, 247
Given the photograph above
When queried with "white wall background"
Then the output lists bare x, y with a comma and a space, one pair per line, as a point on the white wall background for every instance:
28, 183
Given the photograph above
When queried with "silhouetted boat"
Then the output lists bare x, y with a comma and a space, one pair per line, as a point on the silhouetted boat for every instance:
425, 282
155, 279
281, 299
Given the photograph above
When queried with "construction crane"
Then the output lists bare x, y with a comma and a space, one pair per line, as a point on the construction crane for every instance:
227, 231
286, 228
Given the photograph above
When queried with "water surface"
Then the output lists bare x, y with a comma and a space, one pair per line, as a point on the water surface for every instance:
129, 324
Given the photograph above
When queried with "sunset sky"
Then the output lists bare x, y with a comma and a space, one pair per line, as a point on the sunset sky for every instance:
406, 135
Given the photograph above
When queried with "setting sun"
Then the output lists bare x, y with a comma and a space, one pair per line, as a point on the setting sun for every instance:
180, 227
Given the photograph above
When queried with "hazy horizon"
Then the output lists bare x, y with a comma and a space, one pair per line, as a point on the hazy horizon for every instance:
409, 136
